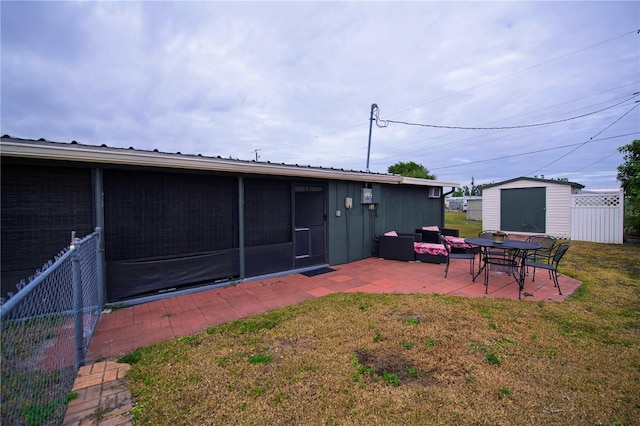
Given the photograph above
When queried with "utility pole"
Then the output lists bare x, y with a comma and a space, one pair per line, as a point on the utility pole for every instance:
374, 107
256, 152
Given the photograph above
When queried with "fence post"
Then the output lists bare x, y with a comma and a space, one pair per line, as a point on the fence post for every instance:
76, 273
99, 270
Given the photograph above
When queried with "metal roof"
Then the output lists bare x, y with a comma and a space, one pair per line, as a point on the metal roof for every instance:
73, 151
558, 182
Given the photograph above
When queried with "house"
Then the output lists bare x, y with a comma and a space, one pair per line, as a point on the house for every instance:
529, 206
173, 221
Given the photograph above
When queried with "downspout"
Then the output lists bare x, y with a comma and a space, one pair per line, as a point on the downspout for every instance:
372, 225
347, 214
453, 189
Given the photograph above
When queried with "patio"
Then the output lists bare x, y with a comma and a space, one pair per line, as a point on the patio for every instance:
104, 399
126, 329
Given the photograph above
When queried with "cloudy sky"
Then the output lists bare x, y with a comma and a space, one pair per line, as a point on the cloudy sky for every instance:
296, 81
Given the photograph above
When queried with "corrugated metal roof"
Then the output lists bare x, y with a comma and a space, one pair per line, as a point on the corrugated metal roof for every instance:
73, 151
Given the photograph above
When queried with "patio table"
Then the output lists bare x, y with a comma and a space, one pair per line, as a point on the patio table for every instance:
515, 254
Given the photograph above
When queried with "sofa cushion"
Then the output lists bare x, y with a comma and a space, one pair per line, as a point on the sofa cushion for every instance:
430, 248
457, 242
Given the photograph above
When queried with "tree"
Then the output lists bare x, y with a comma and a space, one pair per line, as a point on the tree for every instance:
629, 177
465, 191
411, 169
477, 190
461, 192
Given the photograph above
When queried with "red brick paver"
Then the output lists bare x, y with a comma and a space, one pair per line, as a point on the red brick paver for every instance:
103, 399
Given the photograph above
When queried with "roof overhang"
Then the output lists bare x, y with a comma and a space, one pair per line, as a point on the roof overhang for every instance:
45, 150
428, 182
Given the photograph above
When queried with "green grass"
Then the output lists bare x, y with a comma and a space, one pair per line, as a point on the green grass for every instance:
37, 414
391, 378
412, 321
458, 220
260, 359
407, 345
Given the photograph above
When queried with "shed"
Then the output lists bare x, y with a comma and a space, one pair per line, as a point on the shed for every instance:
174, 222
529, 206
474, 208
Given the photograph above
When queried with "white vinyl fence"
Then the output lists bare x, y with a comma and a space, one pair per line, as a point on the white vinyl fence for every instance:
598, 217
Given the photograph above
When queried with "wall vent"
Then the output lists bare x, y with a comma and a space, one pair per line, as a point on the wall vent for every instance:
435, 192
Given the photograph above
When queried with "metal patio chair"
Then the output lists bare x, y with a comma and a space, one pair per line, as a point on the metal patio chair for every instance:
552, 266
468, 255
544, 254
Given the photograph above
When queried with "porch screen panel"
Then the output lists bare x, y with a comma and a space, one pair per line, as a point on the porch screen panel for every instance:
153, 214
40, 206
267, 212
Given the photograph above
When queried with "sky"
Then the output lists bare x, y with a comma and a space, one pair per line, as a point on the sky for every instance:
294, 82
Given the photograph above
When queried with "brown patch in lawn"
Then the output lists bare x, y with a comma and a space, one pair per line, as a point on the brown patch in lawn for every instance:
393, 362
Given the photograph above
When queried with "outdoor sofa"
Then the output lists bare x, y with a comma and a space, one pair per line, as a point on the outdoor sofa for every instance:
410, 247
431, 234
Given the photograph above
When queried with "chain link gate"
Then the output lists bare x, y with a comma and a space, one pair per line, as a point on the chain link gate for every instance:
46, 329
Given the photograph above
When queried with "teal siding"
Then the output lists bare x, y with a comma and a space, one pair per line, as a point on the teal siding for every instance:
349, 235
401, 208
406, 208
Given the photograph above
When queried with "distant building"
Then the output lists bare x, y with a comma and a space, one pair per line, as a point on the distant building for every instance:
529, 206
460, 203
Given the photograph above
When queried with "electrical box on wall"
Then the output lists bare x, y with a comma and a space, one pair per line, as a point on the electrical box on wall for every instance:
367, 196
348, 202
435, 192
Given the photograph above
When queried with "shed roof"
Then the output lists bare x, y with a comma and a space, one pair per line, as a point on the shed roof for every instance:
553, 181
73, 151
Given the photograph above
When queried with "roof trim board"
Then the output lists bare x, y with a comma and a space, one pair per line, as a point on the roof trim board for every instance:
40, 149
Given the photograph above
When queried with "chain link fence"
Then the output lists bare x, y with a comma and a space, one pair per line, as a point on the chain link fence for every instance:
46, 329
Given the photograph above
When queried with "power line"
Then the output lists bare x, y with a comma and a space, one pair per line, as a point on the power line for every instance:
534, 152
596, 162
385, 123
432, 149
587, 141
447, 145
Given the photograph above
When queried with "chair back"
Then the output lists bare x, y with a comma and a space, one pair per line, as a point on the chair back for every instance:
560, 251
489, 234
445, 243
546, 242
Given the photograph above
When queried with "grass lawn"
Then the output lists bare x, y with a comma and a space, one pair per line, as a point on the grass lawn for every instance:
348, 359
458, 220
